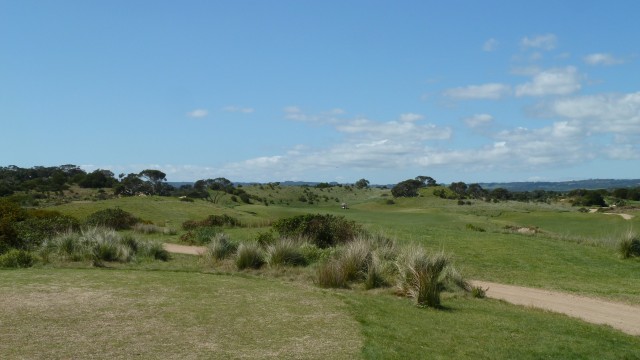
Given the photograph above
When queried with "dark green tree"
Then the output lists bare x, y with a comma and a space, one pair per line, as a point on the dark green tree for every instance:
407, 188
362, 184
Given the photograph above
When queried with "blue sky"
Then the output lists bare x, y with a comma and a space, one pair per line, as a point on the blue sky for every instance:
474, 91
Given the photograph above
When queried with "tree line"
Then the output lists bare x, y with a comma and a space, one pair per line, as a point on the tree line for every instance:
461, 191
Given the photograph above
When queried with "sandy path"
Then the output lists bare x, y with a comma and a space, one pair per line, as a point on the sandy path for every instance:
184, 249
619, 316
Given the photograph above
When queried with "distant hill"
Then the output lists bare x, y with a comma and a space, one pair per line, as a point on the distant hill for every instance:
591, 184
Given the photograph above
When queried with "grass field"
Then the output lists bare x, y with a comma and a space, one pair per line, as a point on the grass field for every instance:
187, 308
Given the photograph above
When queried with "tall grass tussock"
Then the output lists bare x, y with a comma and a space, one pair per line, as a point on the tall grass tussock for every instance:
285, 252
249, 256
629, 246
220, 247
100, 244
423, 277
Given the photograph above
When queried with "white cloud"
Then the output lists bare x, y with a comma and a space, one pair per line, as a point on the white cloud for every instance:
478, 120
602, 59
399, 130
198, 113
551, 82
490, 45
327, 117
410, 117
491, 91
239, 109
619, 113
544, 42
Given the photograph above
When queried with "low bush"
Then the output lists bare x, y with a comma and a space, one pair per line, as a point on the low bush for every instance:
200, 236
116, 219
212, 221
16, 258
475, 228
249, 256
322, 230
266, 238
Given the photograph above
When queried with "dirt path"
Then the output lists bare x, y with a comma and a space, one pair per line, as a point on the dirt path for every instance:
619, 316
184, 249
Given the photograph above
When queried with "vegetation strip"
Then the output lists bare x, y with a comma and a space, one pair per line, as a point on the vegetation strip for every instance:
619, 316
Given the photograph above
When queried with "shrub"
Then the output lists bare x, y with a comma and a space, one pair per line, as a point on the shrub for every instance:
322, 230
249, 255
33, 231
478, 292
117, 219
629, 246
287, 253
421, 276
313, 254
212, 221
220, 247
200, 236
16, 258
475, 228
265, 238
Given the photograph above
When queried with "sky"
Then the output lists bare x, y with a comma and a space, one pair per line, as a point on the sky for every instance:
261, 91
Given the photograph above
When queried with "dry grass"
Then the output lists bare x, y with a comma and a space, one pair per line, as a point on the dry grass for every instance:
80, 314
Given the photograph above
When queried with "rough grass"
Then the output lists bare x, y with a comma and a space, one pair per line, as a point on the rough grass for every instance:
100, 314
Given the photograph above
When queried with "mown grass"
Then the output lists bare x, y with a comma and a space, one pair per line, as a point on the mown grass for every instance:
115, 314
480, 329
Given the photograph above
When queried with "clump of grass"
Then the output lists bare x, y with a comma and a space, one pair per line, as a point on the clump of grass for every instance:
285, 252
153, 250
355, 259
375, 275
16, 258
422, 276
249, 255
629, 246
220, 247
331, 275
361, 260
